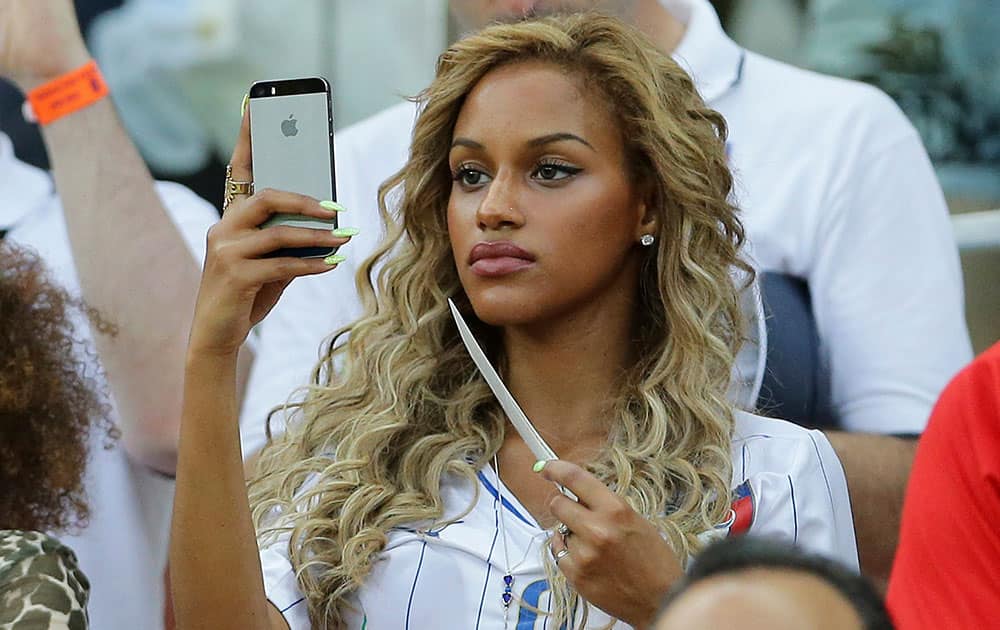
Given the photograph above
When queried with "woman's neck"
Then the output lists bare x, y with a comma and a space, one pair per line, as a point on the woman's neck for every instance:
564, 375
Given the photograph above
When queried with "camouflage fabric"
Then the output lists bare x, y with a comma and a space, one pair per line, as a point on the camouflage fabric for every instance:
41, 586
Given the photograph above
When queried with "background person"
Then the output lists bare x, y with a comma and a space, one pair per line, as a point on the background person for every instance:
587, 233
176, 68
25, 135
949, 546
130, 249
52, 413
759, 584
835, 189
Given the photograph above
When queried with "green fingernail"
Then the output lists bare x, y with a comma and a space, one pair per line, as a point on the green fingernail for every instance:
336, 259
243, 107
332, 206
539, 465
345, 232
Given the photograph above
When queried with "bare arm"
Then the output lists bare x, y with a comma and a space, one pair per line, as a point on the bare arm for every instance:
877, 468
213, 541
215, 569
132, 262
134, 268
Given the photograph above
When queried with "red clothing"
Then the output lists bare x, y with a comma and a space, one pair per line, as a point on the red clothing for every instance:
947, 571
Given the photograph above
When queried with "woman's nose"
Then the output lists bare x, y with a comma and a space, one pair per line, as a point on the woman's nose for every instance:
500, 208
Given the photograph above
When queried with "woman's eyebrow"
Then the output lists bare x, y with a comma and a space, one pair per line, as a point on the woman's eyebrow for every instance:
559, 137
466, 142
550, 138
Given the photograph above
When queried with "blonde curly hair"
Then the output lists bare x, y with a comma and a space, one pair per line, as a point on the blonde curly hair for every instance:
397, 404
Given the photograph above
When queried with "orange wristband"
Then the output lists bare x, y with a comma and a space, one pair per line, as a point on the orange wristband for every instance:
66, 94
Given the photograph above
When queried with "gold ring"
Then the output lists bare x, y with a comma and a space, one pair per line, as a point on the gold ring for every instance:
234, 188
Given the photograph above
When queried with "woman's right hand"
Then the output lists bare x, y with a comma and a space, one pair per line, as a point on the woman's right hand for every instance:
239, 286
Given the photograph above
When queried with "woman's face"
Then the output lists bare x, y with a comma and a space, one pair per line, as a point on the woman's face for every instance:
543, 216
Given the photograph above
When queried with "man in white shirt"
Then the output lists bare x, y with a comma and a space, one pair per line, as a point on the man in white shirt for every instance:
132, 251
836, 189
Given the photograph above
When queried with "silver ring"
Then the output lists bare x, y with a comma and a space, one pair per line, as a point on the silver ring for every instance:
562, 553
563, 530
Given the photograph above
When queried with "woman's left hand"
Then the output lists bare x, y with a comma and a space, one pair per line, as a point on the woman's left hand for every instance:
617, 559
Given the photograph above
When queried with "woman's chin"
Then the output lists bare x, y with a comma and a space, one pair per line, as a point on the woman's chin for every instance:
500, 317
502, 308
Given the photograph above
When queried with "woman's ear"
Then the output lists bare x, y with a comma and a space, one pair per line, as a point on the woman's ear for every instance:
649, 218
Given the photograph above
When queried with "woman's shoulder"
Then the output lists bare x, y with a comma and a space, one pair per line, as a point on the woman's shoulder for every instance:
773, 442
40, 580
749, 425
789, 484
771, 448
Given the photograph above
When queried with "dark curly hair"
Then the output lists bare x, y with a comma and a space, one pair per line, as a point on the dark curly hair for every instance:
50, 398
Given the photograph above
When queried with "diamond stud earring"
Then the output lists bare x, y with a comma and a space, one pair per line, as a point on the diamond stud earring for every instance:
646, 240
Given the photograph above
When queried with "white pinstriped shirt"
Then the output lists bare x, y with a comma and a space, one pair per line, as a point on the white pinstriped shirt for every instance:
453, 577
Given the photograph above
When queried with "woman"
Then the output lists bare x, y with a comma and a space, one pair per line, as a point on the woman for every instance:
49, 404
568, 189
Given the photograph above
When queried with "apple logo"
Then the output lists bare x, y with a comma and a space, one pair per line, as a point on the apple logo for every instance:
288, 126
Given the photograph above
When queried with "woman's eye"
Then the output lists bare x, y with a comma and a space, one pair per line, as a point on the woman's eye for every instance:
470, 177
555, 172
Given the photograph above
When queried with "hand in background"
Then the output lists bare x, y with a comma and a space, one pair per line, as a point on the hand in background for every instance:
39, 40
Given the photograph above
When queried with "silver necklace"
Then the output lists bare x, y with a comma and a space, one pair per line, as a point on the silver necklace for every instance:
508, 578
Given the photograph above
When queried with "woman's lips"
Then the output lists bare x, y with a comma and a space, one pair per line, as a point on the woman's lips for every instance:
495, 267
498, 258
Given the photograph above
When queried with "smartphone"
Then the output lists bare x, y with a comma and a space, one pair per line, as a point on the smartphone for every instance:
291, 136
